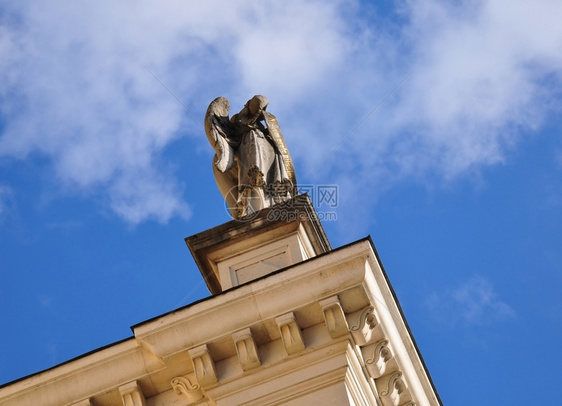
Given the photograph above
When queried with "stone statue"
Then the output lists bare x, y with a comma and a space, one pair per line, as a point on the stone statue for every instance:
252, 166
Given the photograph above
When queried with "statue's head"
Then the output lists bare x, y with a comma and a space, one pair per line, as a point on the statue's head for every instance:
257, 104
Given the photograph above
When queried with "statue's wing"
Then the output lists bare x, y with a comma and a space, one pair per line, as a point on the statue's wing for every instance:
277, 136
218, 129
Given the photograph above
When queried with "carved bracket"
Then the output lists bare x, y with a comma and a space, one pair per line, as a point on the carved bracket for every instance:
131, 394
247, 350
192, 391
379, 359
334, 317
290, 333
366, 328
393, 390
203, 365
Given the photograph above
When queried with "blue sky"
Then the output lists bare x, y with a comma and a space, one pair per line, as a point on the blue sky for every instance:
456, 175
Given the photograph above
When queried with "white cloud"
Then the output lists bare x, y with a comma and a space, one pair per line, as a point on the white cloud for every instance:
473, 302
75, 86
80, 94
478, 77
484, 75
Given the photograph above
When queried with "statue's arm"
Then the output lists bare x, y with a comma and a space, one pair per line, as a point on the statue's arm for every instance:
275, 134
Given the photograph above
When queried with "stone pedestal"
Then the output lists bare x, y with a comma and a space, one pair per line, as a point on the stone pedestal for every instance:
244, 250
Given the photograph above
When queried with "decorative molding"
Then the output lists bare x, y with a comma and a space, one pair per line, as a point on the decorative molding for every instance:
290, 333
203, 365
393, 390
377, 358
192, 391
247, 350
364, 329
132, 395
334, 317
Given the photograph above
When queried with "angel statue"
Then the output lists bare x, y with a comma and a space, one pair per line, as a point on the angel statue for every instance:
252, 166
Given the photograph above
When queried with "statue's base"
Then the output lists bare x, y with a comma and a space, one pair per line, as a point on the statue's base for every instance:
243, 250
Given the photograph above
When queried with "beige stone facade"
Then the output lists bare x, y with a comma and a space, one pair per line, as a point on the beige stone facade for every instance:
291, 322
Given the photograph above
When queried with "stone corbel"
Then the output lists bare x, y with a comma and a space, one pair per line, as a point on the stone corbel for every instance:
393, 390
378, 359
131, 394
192, 391
203, 365
247, 350
366, 329
334, 317
290, 333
